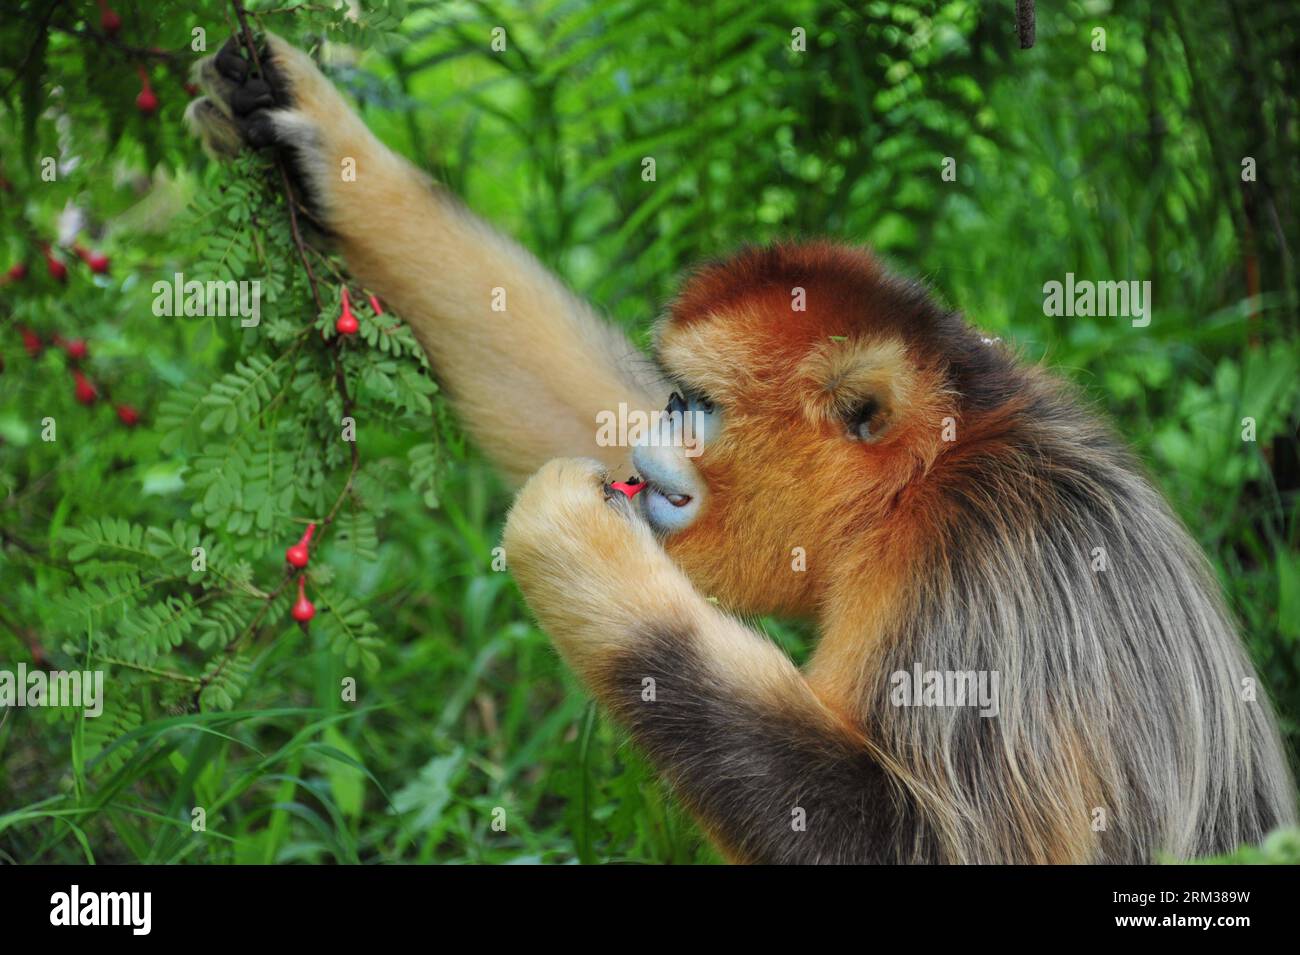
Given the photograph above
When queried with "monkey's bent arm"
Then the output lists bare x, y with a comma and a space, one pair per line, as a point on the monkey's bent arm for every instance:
527, 363
770, 771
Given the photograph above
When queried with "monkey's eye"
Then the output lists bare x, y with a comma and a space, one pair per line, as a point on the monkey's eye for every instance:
868, 421
694, 401
699, 417
697, 401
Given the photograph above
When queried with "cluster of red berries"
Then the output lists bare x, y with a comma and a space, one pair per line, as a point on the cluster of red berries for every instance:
97, 261
82, 387
76, 348
146, 100
297, 555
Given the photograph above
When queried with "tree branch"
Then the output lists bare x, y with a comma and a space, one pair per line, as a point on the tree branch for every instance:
1025, 25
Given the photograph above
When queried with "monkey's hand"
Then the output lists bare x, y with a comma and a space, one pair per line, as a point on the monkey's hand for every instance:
290, 106
589, 566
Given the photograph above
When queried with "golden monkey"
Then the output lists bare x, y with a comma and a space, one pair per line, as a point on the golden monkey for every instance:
947, 515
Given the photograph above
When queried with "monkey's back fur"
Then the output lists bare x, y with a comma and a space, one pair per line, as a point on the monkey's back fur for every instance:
1126, 696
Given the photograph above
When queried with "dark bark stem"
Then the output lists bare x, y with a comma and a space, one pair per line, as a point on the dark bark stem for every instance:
1025, 25
290, 198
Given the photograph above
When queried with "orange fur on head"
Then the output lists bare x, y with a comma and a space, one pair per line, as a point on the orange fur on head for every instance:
782, 474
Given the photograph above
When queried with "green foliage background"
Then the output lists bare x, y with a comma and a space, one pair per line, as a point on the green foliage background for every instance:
1122, 164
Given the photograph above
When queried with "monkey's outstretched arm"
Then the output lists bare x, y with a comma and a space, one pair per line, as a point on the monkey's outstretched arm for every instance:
527, 363
770, 771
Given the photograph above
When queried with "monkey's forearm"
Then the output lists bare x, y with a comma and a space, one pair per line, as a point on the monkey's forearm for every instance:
764, 766
528, 364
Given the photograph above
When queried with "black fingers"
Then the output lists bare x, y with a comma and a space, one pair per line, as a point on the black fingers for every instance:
231, 64
251, 94
250, 97
268, 89
254, 94
259, 130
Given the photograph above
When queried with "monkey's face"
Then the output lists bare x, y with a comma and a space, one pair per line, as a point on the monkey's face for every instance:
799, 416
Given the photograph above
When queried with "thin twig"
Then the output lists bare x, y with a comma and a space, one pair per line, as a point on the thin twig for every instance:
341, 383
166, 674
40, 30
287, 185
340, 379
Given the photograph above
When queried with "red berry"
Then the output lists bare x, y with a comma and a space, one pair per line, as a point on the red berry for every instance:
147, 101
32, 342
375, 306
76, 349
18, 271
631, 487
347, 323
298, 555
84, 391
303, 609
130, 417
97, 261
111, 22
58, 271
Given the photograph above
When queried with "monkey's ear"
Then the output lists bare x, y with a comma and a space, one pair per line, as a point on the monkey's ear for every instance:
859, 386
